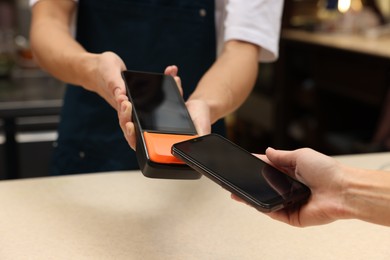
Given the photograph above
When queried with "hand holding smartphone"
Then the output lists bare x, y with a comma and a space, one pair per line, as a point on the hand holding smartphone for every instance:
256, 182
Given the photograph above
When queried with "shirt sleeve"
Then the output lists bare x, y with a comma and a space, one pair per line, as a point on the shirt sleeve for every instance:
257, 22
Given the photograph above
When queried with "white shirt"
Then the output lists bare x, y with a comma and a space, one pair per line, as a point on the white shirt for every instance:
254, 21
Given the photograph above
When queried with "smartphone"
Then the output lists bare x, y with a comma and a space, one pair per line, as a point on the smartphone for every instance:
161, 119
240, 172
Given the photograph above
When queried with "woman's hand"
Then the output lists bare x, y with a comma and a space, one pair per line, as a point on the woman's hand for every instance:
322, 174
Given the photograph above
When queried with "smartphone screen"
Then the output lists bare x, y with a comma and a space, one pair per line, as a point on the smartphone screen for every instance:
240, 172
158, 103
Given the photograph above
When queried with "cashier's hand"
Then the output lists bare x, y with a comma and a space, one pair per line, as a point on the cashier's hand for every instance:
198, 109
106, 80
108, 83
323, 174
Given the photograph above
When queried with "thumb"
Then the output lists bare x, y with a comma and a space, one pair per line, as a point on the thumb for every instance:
284, 160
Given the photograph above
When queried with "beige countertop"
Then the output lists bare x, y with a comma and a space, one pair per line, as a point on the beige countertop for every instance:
350, 42
123, 215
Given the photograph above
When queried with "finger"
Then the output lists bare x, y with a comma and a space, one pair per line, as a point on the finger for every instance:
236, 198
178, 83
115, 84
173, 71
130, 134
284, 160
125, 113
114, 93
126, 124
202, 127
263, 157
119, 99
280, 215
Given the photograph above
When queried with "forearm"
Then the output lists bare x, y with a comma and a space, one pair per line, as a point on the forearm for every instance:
230, 80
367, 196
61, 56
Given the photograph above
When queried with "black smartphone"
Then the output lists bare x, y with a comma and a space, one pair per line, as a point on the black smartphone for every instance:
240, 172
161, 119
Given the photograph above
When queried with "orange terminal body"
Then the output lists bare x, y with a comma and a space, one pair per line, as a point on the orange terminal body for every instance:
159, 146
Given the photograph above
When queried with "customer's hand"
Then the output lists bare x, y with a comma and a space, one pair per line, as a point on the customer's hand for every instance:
322, 174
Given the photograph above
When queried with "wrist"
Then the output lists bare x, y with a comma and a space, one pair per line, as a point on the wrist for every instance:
358, 190
345, 208
209, 107
86, 68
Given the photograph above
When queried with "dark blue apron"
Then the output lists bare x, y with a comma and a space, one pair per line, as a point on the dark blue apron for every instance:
148, 35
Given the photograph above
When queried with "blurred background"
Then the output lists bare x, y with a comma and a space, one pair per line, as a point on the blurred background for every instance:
30, 100
328, 90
